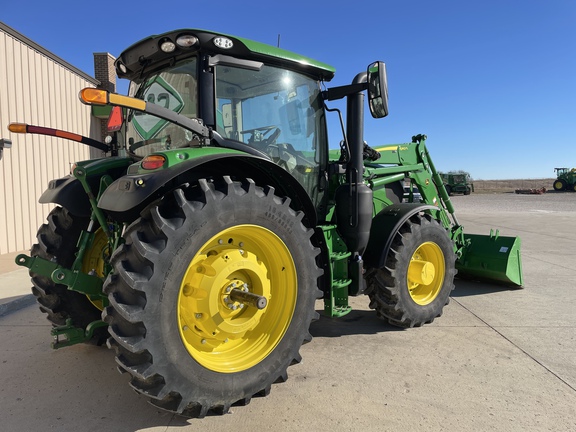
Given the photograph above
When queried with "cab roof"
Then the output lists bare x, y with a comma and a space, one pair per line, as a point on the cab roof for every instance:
147, 55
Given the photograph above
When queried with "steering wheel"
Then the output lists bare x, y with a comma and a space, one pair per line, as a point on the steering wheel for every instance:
262, 141
272, 138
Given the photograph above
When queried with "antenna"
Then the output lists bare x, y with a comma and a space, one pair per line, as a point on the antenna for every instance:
278, 40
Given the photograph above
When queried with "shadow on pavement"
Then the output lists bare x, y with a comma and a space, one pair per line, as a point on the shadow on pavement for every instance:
467, 288
355, 323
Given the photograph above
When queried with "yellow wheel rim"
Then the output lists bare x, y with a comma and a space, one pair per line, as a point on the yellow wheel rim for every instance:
558, 185
93, 260
426, 273
220, 333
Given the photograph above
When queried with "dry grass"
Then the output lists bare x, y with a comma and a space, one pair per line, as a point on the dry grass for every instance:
500, 186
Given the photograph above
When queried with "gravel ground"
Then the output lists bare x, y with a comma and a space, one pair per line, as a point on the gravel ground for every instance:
511, 202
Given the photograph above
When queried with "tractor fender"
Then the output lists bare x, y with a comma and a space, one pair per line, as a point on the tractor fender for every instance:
69, 193
385, 225
125, 198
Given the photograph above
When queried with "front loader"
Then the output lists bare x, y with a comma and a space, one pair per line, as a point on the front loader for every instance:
200, 247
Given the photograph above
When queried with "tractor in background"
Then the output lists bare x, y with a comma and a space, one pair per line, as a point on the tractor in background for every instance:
565, 179
457, 182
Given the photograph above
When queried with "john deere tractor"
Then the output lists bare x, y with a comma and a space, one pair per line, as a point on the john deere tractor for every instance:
199, 247
459, 182
565, 179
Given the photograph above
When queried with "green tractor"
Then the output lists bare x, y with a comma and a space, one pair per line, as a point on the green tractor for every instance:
566, 179
199, 248
459, 182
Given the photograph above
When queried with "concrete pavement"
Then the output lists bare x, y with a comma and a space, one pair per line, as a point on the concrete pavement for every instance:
15, 286
497, 360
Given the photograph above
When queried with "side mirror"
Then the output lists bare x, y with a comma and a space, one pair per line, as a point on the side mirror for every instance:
377, 90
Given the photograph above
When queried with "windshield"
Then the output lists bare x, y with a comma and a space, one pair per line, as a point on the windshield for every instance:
274, 110
174, 88
278, 112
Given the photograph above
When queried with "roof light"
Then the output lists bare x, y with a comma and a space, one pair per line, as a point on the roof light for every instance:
122, 67
168, 46
153, 162
186, 41
223, 42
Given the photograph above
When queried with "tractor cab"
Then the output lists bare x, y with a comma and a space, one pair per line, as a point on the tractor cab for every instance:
243, 97
218, 91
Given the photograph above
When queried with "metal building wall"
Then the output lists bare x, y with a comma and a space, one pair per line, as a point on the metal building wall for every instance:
40, 89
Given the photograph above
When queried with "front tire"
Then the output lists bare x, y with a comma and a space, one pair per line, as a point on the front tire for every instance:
187, 342
559, 185
414, 285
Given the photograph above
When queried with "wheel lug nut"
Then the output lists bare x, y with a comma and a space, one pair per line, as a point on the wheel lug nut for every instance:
198, 315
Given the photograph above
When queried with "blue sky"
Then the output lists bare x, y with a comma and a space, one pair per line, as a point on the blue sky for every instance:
492, 83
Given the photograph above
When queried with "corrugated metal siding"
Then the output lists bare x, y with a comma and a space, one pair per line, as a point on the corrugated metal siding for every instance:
35, 89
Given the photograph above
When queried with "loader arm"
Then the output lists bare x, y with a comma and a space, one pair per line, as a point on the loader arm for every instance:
415, 162
491, 257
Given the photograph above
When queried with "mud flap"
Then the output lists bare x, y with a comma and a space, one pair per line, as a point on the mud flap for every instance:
492, 258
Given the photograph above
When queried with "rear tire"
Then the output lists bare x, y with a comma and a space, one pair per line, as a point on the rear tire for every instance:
448, 190
57, 241
188, 346
415, 283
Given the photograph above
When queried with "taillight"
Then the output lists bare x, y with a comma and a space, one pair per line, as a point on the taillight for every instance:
153, 162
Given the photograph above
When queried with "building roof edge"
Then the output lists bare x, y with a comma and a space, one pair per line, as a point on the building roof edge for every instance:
9, 30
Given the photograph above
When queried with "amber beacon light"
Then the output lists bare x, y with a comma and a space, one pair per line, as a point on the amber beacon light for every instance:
92, 96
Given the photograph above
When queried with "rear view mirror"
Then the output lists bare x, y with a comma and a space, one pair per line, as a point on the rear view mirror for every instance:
377, 90
294, 113
226, 116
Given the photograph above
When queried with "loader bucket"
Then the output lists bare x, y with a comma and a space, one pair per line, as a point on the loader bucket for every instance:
492, 258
